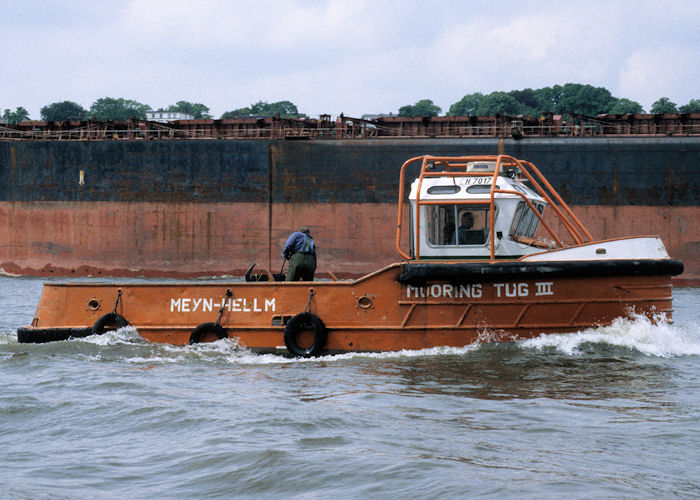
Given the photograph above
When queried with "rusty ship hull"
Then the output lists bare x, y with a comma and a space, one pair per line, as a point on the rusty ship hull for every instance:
187, 208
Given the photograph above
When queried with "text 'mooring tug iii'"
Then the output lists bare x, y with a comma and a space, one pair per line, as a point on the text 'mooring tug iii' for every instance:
481, 262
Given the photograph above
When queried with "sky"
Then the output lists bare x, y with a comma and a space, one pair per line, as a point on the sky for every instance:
330, 57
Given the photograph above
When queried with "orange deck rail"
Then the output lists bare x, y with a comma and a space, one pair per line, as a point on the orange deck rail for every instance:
456, 167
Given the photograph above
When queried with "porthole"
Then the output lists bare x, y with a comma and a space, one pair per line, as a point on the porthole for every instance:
364, 302
93, 304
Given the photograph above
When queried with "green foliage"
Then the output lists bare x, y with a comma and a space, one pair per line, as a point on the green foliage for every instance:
560, 99
499, 102
283, 109
108, 108
62, 111
692, 107
584, 99
528, 100
424, 107
467, 105
548, 98
664, 105
197, 110
624, 106
236, 113
18, 115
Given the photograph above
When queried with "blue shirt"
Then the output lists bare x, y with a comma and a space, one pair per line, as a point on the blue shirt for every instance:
299, 242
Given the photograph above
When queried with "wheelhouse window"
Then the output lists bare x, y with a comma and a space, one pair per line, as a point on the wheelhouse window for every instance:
481, 189
525, 222
450, 189
457, 224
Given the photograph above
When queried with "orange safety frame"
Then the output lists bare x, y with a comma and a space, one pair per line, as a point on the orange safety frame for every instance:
455, 166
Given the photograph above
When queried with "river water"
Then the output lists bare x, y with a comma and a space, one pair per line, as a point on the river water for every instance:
607, 412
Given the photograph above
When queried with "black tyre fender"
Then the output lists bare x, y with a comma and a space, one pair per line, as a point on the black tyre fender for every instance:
43, 335
295, 325
109, 321
206, 328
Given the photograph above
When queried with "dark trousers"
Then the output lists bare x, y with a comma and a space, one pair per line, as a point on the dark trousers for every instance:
302, 267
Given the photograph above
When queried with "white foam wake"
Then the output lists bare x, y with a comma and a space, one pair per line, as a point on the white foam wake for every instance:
650, 337
653, 337
228, 350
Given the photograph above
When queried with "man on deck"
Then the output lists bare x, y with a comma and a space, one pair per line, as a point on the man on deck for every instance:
301, 253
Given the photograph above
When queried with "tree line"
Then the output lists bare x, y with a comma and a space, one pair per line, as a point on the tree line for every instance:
119, 109
559, 99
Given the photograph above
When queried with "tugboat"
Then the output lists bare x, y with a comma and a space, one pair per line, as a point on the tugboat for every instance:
490, 252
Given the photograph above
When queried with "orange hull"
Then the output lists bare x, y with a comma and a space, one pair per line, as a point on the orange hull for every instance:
376, 313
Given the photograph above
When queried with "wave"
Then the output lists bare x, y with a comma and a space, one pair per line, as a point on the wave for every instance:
651, 337
8, 274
